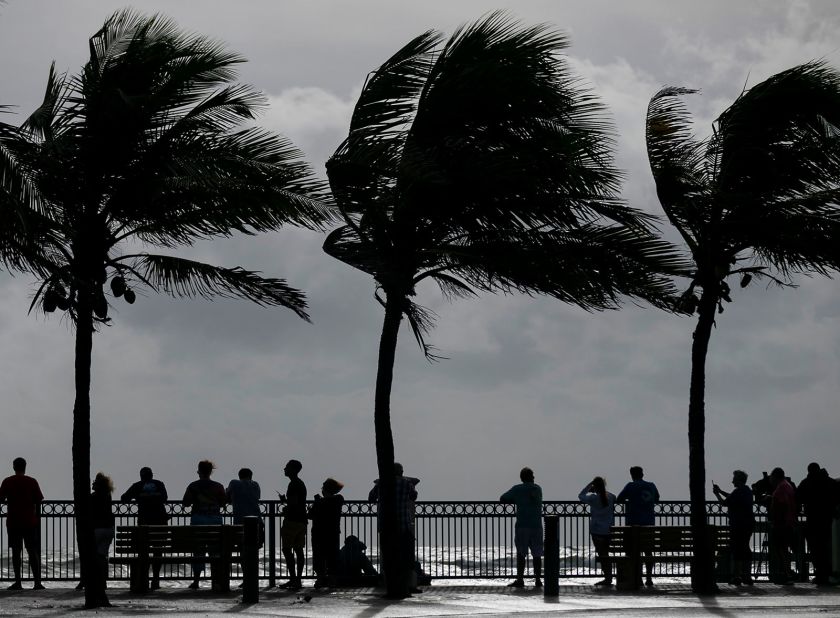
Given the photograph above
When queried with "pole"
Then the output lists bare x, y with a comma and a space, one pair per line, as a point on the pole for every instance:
250, 561
552, 556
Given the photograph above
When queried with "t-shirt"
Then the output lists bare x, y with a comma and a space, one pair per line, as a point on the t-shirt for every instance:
783, 505
601, 518
206, 497
151, 501
244, 495
295, 509
740, 505
101, 515
640, 497
528, 500
23, 495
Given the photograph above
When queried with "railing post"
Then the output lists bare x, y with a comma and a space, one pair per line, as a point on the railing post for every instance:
250, 560
552, 556
272, 548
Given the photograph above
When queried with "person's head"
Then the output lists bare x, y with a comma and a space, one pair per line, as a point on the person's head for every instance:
739, 478
526, 475
146, 474
293, 468
354, 542
331, 487
205, 468
599, 484
636, 473
398, 469
19, 465
245, 474
776, 476
102, 483
813, 468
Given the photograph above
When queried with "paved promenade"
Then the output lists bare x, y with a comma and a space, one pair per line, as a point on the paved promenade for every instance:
441, 599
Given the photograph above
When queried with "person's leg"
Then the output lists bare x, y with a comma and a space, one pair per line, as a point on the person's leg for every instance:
16, 565
301, 562
520, 541
538, 571
648, 568
537, 548
602, 550
33, 551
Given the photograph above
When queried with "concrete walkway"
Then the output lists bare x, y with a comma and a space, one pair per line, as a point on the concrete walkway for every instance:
441, 599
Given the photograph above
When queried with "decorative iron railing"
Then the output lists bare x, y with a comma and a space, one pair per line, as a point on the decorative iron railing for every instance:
469, 540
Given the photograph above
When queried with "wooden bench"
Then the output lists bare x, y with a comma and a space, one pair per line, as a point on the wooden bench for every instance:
666, 544
140, 547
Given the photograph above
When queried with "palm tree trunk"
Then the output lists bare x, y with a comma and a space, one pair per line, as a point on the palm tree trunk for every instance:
395, 578
702, 567
81, 453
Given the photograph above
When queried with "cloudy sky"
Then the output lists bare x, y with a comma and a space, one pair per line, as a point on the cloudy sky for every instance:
528, 381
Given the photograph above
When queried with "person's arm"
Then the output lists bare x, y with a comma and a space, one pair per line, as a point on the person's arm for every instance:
162, 489
188, 497
582, 496
128, 494
39, 497
257, 485
655, 494
720, 494
227, 491
373, 495
508, 497
622, 495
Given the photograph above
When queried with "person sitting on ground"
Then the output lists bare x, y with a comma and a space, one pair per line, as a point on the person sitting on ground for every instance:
23, 496
293, 530
601, 519
528, 531
151, 498
640, 496
355, 567
102, 521
206, 499
741, 525
326, 532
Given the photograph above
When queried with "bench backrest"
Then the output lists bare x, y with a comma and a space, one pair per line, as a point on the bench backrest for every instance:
175, 540
664, 539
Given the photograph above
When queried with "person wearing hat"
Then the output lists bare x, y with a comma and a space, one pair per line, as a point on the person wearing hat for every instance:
293, 530
326, 532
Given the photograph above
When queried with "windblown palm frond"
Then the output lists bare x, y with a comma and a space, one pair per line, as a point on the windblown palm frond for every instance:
181, 277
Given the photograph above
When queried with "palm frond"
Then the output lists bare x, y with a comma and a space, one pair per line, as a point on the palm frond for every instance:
181, 277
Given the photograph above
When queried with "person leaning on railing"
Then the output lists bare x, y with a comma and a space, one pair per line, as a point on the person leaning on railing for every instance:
601, 519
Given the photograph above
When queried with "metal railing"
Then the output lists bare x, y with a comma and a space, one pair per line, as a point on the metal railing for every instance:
454, 540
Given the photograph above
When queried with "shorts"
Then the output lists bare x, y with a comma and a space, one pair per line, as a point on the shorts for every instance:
293, 534
31, 537
529, 538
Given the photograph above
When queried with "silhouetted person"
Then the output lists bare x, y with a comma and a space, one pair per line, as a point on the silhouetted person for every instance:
326, 532
817, 493
206, 498
293, 530
782, 514
23, 495
739, 504
405, 489
640, 496
102, 522
354, 564
528, 530
601, 519
243, 494
150, 495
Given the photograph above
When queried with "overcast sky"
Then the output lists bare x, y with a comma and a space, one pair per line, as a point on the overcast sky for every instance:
528, 381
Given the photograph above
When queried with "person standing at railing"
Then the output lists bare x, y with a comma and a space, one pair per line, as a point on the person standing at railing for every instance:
23, 495
640, 496
293, 530
782, 513
528, 530
151, 498
601, 519
243, 494
206, 498
739, 503
818, 494
326, 532
102, 521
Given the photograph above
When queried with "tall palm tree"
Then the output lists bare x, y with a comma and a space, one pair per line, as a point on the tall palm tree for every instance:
757, 199
151, 145
484, 166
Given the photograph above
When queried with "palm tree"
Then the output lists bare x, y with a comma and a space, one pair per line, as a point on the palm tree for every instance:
756, 199
149, 146
483, 166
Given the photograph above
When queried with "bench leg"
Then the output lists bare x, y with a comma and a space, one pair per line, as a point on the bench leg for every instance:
138, 576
